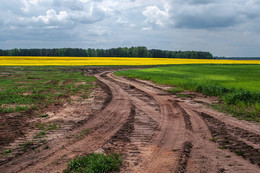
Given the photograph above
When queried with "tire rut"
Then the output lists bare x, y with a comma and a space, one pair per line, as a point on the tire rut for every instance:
102, 126
186, 116
156, 140
224, 135
183, 161
240, 141
135, 92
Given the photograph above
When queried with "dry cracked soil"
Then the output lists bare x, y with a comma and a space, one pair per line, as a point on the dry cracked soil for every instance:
155, 131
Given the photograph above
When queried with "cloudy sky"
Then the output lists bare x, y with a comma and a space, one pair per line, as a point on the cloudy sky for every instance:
223, 27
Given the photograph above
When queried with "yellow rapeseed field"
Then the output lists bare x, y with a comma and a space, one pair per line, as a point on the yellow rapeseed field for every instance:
81, 61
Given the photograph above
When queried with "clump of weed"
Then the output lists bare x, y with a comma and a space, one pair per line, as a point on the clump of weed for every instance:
44, 116
239, 153
6, 152
21, 108
40, 134
6, 110
46, 147
26, 146
83, 133
41, 126
48, 127
43, 141
53, 126
213, 139
223, 147
95, 163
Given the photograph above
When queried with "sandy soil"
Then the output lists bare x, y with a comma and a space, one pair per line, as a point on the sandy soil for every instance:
154, 130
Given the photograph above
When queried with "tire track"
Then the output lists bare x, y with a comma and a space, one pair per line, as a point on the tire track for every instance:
237, 136
222, 134
103, 126
187, 146
159, 134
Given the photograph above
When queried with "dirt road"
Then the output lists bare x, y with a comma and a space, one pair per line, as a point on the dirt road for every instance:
155, 132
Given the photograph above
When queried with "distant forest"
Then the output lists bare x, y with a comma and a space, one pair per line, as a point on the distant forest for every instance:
113, 52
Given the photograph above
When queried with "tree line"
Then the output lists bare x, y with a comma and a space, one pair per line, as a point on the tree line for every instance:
140, 51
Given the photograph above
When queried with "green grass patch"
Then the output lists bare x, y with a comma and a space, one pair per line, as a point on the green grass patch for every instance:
48, 127
176, 90
45, 128
53, 126
213, 139
25, 88
27, 145
239, 153
44, 116
7, 152
236, 85
95, 163
41, 134
223, 147
83, 133
41, 126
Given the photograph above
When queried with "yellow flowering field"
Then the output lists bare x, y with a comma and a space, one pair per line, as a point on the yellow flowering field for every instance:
81, 61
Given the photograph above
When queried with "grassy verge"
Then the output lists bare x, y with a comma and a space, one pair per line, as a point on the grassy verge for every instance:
237, 86
27, 88
95, 163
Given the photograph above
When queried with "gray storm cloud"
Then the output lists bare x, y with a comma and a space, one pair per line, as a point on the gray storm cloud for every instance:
224, 27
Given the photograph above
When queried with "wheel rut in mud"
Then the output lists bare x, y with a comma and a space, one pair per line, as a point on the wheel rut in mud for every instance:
234, 139
152, 135
164, 107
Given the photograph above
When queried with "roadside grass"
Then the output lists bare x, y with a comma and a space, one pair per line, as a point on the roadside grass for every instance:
176, 90
95, 163
23, 89
237, 86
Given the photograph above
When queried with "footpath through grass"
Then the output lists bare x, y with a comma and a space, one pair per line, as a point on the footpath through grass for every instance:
236, 85
27, 88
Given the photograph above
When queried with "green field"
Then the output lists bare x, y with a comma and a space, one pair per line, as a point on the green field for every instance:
28, 88
236, 85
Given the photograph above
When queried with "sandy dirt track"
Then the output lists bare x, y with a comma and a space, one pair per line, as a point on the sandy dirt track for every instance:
154, 130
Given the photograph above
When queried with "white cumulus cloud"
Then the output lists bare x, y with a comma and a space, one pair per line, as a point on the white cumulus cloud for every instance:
155, 15
52, 17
